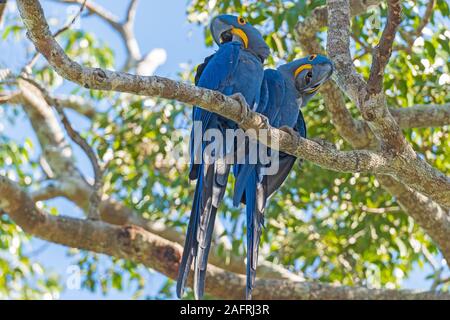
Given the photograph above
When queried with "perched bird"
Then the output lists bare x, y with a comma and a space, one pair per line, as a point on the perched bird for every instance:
236, 69
283, 91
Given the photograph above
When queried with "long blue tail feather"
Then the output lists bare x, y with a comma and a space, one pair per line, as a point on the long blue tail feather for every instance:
201, 261
255, 202
190, 245
209, 192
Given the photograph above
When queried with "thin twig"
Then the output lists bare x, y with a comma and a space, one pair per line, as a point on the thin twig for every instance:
96, 195
367, 209
131, 11
67, 26
38, 251
98, 10
95, 198
445, 280
8, 97
5, 74
124, 28
363, 45
366, 49
410, 37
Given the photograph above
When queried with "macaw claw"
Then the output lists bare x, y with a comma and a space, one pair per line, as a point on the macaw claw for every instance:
263, 122
244, 105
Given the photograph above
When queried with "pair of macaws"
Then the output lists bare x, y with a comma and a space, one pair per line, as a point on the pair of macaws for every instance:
236, 70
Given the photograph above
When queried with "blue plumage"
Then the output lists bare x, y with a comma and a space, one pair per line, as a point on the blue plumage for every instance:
282, 93
235, 68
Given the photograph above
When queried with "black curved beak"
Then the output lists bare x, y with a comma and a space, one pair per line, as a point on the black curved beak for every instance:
221, 31
309, 80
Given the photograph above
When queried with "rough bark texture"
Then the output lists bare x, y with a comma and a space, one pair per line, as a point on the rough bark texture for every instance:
383, 50
411, 169
379, 148
422, 116
67, 182
38, 31
134, 243
422, 177
425, 212
430, 216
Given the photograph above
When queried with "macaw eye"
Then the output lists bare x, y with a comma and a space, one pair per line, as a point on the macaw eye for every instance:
312, 57
308, 77
241, 21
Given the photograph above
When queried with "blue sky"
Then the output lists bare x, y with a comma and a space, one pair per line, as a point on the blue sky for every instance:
161, 25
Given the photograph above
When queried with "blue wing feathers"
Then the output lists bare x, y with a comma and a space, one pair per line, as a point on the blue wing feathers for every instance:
229, 70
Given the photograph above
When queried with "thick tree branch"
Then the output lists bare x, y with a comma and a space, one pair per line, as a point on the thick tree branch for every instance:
94, 78
140, 246
425, 179
358, 134
28, 67
422, 116
354, 131
251, 116
426, 213
70, 184
417, 116
410, 168
338, 48
96, 194
430, 216
373, 108
383, 50
2, 10
319, 17
116, 213
55, 148
75, 103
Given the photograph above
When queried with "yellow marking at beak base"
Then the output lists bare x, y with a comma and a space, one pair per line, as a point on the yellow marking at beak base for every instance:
313, 90
241, 34
301, 68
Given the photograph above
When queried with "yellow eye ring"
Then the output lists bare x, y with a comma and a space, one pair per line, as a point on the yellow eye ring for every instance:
241, 21
312, 57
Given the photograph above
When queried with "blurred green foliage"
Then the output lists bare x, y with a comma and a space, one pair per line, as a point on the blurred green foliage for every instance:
333, 227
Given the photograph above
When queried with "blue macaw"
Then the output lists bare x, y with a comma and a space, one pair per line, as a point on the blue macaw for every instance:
236, 69
283, 91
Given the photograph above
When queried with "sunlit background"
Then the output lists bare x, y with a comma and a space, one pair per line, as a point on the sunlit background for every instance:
179, 45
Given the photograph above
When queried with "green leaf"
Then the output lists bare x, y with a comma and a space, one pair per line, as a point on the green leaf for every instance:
429, 47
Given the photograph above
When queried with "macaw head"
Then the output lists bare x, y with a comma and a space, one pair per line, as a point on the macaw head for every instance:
309, 73
226, 28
